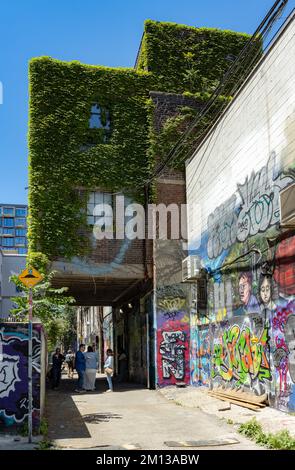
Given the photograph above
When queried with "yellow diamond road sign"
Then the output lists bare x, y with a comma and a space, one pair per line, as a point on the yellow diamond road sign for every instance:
30, 277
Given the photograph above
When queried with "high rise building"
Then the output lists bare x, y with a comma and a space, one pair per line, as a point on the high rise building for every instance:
13, 228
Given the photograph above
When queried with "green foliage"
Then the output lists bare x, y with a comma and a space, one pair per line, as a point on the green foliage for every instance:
51, 306
185, 58
43, 428
45, 445
65, 154
279, 440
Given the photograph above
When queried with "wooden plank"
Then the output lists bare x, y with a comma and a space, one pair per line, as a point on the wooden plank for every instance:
236, 402
247, 397
239, 393
242, 400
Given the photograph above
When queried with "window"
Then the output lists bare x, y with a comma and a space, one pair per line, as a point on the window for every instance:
8, 211
20, 212
98, 198
99, 117
100, 125
20, 222
20, 232
20, 241
8, 231
22, 251
8, 222
8, 241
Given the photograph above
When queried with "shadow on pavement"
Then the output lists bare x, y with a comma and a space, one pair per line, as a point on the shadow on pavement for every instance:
64, 418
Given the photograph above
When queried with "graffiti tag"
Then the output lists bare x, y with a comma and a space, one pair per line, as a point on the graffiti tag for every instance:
241, 357
172, 352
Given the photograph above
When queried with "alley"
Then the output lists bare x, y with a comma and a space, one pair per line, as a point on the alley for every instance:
131, 418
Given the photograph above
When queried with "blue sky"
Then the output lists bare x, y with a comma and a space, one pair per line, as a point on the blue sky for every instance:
94, 32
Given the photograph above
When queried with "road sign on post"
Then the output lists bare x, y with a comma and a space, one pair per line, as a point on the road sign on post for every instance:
30, 277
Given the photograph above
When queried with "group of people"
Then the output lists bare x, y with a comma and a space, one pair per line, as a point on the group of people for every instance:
86, 365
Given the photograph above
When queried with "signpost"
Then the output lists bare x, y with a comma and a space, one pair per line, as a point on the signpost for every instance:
30, 277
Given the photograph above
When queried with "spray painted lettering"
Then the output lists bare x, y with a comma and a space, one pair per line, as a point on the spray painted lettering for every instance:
260, 199
241, 356
172, 351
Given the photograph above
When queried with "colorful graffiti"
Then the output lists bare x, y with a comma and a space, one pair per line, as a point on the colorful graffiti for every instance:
283, 326
173, 336
240, 356
14, 373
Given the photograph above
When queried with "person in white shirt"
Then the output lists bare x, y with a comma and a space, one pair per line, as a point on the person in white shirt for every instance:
109, 369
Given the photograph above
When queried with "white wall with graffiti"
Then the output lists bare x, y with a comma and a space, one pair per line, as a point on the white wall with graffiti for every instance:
247, 336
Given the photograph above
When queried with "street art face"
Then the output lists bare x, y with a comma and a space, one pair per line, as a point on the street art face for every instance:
172, 336
14, 374
234, 247
245, 288
265, 291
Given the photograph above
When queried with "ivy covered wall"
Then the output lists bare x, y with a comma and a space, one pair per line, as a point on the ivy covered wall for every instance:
186, 58
65, 154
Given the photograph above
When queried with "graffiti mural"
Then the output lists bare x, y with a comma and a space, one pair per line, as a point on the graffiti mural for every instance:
257, 210
247, 337
241, 356
203, 356
173, 336
283, 326
14, 373
260, 199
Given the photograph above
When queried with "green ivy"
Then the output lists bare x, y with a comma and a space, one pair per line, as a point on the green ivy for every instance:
65, 155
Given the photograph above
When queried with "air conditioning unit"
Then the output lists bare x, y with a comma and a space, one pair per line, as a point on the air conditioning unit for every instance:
191, 269
287, 206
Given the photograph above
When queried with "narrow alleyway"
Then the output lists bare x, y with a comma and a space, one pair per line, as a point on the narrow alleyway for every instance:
131, 418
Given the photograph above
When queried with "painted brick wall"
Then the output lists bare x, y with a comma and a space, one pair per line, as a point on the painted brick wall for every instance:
235, 179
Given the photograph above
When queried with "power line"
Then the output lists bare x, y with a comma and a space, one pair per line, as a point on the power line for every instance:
244, 56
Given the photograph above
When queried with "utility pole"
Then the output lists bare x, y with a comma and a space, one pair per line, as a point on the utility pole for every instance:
30, 277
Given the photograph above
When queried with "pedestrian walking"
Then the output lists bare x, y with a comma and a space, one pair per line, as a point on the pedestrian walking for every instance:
109, 369
70, 363
91, 360
57, 360
80, 366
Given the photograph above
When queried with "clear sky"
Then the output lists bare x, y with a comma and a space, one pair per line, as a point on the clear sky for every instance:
105, 32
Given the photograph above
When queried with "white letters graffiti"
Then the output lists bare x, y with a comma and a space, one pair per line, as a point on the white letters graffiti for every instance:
260, 199
172, 354
259, 209
222, 228
8, 374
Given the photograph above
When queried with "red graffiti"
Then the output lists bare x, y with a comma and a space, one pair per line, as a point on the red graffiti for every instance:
284, 273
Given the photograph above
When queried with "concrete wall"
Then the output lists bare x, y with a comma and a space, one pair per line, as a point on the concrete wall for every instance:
14, 373
247, 338
9, 265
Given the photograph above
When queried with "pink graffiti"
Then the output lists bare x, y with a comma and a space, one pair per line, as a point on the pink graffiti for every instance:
280, 318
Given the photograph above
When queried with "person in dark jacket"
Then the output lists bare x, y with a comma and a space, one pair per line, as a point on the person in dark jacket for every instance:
57, 360
80, 366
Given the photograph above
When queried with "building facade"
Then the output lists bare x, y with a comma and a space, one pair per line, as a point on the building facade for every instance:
10, 264
241, 185
96, 133
13, 228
